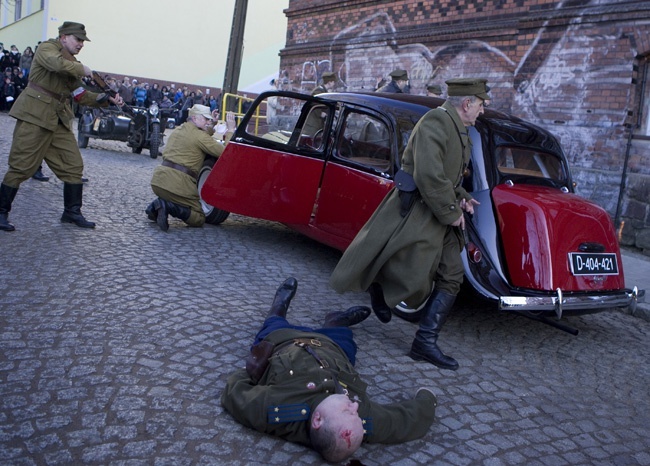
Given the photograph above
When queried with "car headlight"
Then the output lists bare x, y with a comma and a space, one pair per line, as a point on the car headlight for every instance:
153, 109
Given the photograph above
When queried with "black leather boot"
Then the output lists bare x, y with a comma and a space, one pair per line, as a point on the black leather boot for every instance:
348, 318
283, 298
7, 195
72, 201
39, 175
165, 208
382, 311
151, 212
425, 345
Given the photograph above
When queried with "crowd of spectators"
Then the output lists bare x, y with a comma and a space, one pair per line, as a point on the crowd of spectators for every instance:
15, 67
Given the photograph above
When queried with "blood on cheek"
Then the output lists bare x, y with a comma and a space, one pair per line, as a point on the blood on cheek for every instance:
347, 436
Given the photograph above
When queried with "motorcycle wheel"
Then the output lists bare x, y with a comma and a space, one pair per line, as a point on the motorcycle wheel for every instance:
154, 143
82, 141
213, 216
136, 150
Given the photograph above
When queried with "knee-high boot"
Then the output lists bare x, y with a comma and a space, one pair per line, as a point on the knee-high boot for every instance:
7, 195
165, 208
72, 201
425, 346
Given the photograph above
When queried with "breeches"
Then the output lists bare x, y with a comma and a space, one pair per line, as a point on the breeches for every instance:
33, 144
197, 217
342, 336
450, 271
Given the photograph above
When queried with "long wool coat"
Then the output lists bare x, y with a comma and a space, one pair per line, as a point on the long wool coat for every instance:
403, 253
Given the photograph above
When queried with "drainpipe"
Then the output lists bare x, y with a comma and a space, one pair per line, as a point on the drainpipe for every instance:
617, 218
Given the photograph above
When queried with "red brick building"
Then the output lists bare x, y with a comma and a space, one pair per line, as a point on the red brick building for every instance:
578, 68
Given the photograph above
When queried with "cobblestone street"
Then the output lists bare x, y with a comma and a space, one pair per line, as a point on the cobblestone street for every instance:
115, 344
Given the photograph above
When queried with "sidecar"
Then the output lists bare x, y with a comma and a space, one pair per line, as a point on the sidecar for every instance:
102, 123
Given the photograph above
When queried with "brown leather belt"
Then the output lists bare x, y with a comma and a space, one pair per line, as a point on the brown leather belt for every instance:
60, 97
180, 168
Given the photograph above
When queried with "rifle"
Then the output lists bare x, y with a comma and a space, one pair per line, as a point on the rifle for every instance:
109, 91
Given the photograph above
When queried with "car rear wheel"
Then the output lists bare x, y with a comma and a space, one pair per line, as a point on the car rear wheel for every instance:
213, 216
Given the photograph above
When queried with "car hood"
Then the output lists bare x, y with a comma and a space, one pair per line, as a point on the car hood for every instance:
540, 226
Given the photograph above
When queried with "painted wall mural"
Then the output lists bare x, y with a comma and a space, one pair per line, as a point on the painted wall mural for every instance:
575, 81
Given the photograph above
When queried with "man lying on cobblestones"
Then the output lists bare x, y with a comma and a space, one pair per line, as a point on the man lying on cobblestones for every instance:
43, 130
300, 384
175, 180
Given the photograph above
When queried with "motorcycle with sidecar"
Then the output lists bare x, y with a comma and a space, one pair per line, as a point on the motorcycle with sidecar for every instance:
141, 128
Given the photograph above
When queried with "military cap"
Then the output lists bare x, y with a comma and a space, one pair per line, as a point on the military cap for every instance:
434, 89
468, 86
399, 75
76, 29
328, 76
198, 109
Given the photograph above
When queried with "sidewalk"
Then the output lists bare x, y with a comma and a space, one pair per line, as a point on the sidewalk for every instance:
637, 273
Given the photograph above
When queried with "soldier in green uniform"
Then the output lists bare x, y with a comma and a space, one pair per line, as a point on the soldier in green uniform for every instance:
398, 84
411, 245
328, 82
310, 393
43, 130
175, 180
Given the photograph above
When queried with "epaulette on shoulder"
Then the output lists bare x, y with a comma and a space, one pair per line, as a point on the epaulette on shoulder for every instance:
367, 426
288, 413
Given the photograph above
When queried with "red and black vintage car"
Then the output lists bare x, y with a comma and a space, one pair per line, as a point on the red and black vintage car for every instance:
321, 165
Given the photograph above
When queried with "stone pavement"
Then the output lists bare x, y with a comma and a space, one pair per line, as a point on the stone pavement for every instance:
115, 344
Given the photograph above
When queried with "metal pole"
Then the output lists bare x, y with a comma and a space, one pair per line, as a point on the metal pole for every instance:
235, 48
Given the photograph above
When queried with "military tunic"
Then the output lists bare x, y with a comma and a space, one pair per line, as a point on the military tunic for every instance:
407, 254
44, 114
294, 384
187, 146
320, 89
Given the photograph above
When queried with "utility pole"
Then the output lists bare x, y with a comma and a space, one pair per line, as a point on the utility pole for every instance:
235, 48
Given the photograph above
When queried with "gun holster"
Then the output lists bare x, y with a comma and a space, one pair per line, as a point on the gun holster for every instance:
408, 191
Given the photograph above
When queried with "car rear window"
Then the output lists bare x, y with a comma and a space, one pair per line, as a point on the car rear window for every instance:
521, 163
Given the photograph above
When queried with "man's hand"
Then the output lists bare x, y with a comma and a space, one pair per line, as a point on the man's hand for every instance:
231, 124
117, 100
468, 206
460, 222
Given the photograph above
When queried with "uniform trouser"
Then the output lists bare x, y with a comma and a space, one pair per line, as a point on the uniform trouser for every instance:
450, 271
33, 144
342, 336
197, 217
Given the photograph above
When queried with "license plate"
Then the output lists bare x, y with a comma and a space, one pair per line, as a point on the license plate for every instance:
584, 263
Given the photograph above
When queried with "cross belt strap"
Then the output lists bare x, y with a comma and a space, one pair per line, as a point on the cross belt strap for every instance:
180, 168
59, 97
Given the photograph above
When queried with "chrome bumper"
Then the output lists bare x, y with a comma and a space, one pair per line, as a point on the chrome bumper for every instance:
559, 303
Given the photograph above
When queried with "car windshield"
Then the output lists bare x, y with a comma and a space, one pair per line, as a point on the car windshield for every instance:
527, 162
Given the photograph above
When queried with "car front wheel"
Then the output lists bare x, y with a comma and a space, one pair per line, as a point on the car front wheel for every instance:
213, 216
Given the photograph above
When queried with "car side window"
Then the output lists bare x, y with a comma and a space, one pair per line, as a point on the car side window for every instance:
289, 123
364, 139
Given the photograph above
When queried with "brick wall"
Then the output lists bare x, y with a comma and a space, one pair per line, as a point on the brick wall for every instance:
568, 66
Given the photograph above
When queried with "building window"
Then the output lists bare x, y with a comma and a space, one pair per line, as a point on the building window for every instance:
643, 82
18, 10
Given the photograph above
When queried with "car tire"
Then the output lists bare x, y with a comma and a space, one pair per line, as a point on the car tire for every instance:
154, 143
213, 216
